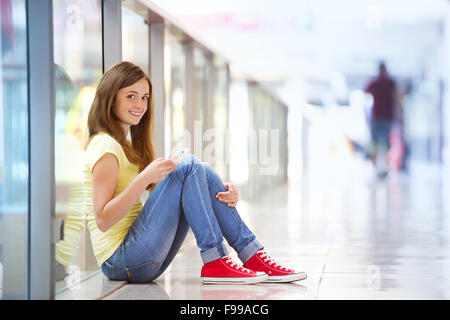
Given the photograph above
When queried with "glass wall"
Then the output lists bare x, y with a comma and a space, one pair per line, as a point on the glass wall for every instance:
266, 145
278, 121
258, 124
135, 39
77, 27
239, 123
200, 90
220, 117
14, 165
174, 77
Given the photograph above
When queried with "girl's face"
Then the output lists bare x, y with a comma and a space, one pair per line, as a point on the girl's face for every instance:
131, 103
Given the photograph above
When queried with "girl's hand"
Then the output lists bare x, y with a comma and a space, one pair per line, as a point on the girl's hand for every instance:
229, 197
158, 169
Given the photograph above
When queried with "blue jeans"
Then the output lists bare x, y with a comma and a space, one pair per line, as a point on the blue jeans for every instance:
185, 198
379, 129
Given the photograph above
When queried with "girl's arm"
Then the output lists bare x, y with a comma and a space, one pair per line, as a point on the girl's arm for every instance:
109, 209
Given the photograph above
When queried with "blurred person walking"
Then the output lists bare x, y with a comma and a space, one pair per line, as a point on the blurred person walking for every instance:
383, 90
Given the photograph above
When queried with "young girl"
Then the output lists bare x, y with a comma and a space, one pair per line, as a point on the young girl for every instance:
137, 243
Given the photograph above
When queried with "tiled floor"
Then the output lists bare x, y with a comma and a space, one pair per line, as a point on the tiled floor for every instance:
356, 237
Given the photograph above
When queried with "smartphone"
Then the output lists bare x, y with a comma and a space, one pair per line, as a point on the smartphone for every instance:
179, 152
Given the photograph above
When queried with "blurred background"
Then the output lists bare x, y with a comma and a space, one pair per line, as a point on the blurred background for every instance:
318, 57
308, 71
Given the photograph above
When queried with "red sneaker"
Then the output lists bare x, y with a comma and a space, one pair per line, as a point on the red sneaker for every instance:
224, 270
261, 261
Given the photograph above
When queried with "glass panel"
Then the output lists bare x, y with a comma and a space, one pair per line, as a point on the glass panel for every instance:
13, 152
200, 87
239, 128
135, 39
174, 86
220, 117
78, 57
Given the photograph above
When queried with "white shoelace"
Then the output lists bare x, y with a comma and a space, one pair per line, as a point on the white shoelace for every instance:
235, 265
270, 260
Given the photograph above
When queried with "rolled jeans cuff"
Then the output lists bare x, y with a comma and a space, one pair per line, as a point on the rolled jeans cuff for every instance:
214, 253
249, 251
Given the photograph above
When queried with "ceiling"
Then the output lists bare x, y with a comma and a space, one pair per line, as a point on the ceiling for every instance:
299, 47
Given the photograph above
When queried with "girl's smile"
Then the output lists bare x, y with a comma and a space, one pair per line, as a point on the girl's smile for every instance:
136, 114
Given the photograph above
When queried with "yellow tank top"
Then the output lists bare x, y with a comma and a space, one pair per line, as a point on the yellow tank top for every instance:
105, 243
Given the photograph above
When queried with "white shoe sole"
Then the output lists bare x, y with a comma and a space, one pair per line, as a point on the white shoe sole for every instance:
288, 278
261, 277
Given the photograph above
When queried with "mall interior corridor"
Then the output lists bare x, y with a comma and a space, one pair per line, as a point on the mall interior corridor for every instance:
357, 237
330, 118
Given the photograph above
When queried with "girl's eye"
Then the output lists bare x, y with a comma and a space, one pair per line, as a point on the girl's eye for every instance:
145, 98
131, 96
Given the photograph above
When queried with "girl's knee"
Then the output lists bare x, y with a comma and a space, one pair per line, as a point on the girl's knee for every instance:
189, 159
189, 162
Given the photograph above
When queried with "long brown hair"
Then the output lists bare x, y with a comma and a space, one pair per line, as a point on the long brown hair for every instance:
101, 118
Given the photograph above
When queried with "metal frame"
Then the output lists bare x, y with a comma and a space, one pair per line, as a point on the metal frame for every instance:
112, 32
157, 77
227, 152
189, 106
209, 112
41, 145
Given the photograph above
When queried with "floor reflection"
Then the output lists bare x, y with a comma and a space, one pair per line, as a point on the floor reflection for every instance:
150, 291
260, 291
